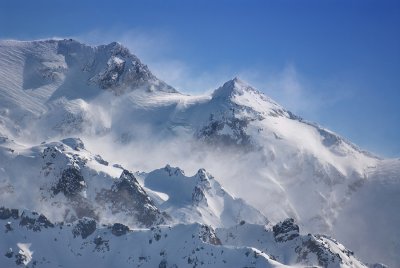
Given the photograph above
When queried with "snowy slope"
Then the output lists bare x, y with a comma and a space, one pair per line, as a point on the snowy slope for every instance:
280, 164
378, 201
285, 244
67, 182
65, 177
199, 198
39, 243
53, 80
30, 239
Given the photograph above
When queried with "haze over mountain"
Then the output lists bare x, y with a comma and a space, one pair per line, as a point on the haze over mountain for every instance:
89, 136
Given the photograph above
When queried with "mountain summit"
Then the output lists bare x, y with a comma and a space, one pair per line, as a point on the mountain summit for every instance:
36, 72
111, 67
243, 94
230, 88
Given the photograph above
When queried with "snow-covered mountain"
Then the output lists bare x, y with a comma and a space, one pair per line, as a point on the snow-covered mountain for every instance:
95, 210
62, 177
201, 198
71, 182
31, 239
268, 163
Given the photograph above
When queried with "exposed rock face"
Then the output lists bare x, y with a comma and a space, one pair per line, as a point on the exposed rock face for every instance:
74, 185
112, 74
202, 185
34, 221
100, 160
203, 179
110, 67
173, 171
126, 195
311, 245
119, 229
30, 220
207, 235
84, 227
71, 183
227, 125
198, 196
227, 130
6, 213
286, 230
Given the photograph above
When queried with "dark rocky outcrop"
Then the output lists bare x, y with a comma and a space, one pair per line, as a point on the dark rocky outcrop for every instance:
101, 244
34, 221
207, 235
213, 133
71, 183
110, 67
197, 195
84, 227
311, 245
286, 230
6, 213
100, 160
128, 197
119, 229
9, 253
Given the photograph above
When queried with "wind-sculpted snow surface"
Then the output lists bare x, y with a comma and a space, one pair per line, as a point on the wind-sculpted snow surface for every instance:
267, 162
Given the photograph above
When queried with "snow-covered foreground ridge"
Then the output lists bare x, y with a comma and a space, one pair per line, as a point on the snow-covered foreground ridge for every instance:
268, 163
31, 239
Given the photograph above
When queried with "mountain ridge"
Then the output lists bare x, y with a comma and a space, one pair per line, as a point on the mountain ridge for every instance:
167, 245
279, 163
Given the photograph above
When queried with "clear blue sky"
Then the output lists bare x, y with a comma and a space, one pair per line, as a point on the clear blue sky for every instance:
333, 62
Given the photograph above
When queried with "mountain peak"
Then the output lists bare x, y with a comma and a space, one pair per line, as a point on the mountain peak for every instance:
113, 44
242, 93
73, 69
236, 79
232, 87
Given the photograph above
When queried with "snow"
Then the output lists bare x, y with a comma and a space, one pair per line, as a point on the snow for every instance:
378, 200
266, 161
181, 245
212, 205
24, 250
116, 60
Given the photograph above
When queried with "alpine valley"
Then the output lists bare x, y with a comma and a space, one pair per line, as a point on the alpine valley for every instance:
102, 164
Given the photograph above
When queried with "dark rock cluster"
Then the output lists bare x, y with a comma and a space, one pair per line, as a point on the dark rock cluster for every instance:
285, 230
127, 196
6, 213
84, 227
119, 229
71, 183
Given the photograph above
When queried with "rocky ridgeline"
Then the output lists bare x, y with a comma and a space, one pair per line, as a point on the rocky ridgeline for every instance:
199, 245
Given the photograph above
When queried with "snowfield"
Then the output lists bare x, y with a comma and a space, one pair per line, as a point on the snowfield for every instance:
90, 134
